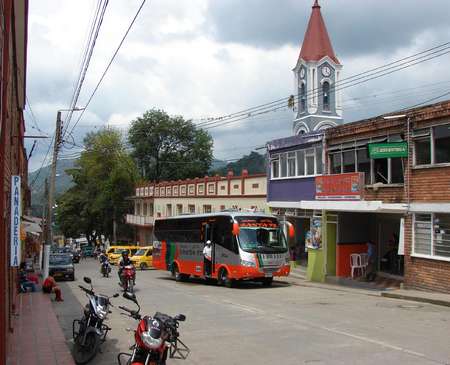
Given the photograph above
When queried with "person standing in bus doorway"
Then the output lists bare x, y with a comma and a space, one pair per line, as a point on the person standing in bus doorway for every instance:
207, 264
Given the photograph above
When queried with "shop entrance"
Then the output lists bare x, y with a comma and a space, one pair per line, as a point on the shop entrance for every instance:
297, 243
331, 236
388, 227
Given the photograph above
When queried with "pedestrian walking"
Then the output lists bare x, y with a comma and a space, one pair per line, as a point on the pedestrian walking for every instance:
207, 261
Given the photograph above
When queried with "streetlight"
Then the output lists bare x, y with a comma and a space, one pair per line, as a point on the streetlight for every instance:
51, 193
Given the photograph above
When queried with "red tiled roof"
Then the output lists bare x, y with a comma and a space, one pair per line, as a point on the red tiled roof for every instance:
316, 43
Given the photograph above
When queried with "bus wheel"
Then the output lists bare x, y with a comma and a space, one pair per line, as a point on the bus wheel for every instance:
224, 279
177, 275
267, 282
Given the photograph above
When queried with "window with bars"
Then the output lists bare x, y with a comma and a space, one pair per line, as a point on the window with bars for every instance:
432, 235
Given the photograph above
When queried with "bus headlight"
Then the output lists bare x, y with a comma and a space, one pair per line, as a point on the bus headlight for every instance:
248, 263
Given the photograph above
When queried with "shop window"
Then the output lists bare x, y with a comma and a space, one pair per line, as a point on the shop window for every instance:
283, 164
432, 235
381, 170
144, 209
431, 145
300, 163
275, 168
207, 209
319, 163
191, 208
348, 161
179, 209
362, 158
335, 163
291, 164
441, 136
169, 210
396, 171
310, 161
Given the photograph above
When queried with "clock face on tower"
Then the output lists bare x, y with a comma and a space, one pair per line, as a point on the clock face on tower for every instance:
326, 71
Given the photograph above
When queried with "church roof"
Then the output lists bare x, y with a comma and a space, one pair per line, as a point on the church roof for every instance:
316, 43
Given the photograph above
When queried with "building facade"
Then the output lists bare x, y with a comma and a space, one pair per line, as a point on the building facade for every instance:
195, 196
13, 159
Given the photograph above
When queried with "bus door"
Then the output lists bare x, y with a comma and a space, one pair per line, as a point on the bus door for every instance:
208, 234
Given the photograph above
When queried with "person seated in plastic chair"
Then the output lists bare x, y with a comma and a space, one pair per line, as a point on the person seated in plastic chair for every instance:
24, 283
49, 286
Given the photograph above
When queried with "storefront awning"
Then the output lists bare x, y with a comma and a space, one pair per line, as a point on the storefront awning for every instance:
373, 206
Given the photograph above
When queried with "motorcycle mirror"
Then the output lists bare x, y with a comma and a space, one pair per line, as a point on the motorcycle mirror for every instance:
180, 317
116, 295
130, 296
87, 280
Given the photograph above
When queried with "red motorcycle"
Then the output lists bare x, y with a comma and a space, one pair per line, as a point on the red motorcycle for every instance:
156, 338
128, 278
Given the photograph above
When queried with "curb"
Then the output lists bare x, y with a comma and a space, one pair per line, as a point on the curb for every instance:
440, 302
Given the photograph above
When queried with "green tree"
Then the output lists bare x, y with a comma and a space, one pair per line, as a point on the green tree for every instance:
104, 176
169, 148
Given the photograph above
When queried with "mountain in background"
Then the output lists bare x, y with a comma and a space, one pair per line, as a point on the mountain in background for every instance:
63, 183
254, 163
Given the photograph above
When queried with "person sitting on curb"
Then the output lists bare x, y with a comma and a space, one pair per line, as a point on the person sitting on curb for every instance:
24, 282
49, 286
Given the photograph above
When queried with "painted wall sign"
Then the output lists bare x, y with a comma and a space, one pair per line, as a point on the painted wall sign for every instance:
15, 220
347, 186
386, 150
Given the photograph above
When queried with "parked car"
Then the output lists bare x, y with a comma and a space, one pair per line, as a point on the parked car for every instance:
143, 258
61, 267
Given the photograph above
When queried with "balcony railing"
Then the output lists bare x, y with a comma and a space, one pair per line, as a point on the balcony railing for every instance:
140, 220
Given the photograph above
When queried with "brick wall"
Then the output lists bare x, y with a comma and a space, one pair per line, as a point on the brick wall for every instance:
386, 194
430, 184
421, 273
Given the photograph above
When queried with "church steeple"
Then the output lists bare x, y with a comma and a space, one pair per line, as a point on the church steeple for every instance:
316, 73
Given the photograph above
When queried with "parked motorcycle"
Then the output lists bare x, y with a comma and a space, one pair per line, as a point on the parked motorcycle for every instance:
128, 278
90, 332
105, 268
156, 338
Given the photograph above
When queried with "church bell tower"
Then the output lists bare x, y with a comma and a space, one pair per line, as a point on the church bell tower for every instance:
316, 74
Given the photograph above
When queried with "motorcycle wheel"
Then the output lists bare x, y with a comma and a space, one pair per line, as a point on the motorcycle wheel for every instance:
84, 354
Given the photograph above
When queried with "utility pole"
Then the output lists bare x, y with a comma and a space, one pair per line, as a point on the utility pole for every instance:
51, 194
44, 224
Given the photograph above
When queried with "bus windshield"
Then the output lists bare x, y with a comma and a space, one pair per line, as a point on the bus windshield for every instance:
261, 234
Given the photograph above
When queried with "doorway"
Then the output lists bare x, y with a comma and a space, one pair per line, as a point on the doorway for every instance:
331, 236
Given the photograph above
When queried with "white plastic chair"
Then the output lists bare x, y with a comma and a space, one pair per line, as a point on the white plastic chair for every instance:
356, 263
364, 262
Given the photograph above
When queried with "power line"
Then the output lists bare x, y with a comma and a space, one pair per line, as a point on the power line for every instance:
43, 162
374, 73
86, 60
108, 66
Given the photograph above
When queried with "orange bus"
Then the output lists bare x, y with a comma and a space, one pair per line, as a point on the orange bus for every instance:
244, 246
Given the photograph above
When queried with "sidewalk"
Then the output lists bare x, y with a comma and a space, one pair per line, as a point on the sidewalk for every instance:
38, 338
298, 277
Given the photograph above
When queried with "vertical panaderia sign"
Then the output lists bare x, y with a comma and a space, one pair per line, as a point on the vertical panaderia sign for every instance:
15, 220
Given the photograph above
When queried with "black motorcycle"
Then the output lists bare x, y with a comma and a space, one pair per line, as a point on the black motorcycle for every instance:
156, 338
90, 332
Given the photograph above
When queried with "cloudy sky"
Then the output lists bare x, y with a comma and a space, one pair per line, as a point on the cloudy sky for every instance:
207, 58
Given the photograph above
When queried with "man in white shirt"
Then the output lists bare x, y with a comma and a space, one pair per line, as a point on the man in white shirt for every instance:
207, 258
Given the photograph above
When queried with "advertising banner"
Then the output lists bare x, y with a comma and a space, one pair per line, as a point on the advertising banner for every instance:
386, 150
15, 220
347, 186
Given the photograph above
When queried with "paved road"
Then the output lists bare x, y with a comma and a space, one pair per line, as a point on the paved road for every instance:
286, 324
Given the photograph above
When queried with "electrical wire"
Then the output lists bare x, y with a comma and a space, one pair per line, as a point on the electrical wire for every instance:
108, 66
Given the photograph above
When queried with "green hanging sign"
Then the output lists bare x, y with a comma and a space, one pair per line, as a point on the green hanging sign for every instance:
387, 150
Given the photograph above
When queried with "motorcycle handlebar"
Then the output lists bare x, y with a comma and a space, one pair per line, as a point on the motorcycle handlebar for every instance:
91, 292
